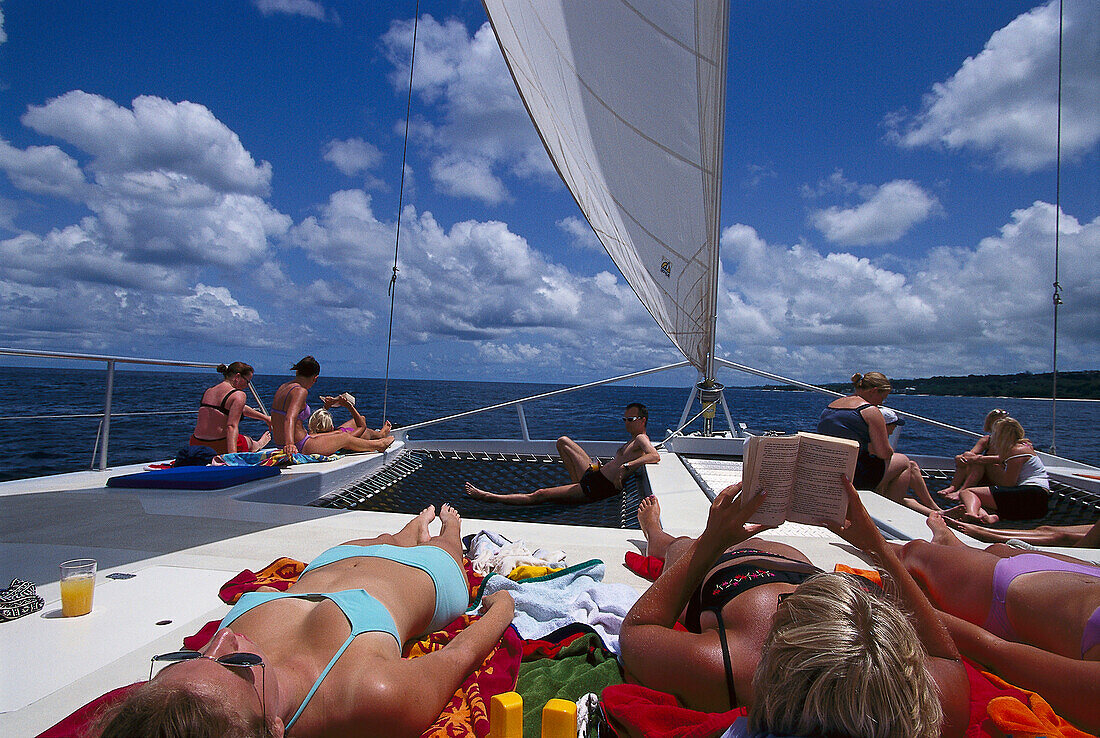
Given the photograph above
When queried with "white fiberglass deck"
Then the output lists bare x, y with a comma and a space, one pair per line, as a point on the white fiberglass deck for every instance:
183, 545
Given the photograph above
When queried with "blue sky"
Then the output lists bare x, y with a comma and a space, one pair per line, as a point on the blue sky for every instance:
219, 181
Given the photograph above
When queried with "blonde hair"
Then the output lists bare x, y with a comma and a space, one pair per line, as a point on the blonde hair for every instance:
321, 422
842, 661
992, 417
1006, 433
870, 380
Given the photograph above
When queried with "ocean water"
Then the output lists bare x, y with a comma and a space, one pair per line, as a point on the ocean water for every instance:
34, 446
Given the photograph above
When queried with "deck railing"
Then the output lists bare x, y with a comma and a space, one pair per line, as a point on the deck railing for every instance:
103, 435
518, 403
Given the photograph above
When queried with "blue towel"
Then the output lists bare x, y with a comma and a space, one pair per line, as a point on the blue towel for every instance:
193, 477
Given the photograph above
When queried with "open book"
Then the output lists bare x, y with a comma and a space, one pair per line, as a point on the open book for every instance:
802, 476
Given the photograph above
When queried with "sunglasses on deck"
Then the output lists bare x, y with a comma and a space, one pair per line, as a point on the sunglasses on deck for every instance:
240, 660
632, 418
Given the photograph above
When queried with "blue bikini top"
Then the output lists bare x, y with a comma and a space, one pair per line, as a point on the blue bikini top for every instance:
364, 613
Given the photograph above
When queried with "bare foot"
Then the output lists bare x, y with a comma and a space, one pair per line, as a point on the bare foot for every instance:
649, 517
941, 534
954, 513
426, 516
385, 442
949, 492
386, 428
479, 494
261, 441
450, 517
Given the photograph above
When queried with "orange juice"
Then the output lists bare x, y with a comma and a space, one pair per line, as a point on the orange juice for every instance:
76, 595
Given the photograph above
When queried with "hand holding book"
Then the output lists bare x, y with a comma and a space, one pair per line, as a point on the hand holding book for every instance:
802, 475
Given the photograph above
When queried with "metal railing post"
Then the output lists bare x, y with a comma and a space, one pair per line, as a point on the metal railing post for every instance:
107, 415
522, 423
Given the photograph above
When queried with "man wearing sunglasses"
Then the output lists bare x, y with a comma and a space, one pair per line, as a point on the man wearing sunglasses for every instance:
591, 480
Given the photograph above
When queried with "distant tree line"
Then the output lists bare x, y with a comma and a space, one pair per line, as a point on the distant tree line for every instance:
1071, 385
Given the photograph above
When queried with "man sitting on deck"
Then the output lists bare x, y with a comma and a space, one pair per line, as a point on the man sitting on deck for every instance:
592, 481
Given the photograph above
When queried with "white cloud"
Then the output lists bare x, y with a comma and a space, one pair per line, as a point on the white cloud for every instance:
170, 183
42, 170
306, 8
352, 156
886, 214
472, 177
1004, 100
960, 310
481, 126
581, 235
479, 282
155, 136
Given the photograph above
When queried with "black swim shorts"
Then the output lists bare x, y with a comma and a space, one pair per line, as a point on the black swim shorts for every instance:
596, 486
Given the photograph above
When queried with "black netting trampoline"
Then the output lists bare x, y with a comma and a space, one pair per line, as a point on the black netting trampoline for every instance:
420, 478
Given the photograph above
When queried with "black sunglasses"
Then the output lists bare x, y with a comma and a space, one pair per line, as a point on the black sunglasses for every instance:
241, 660
632, 418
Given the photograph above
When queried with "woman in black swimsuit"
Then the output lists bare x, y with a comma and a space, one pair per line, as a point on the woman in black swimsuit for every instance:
220, 411
748, 605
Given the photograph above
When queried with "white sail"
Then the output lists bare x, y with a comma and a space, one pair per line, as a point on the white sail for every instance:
629, 99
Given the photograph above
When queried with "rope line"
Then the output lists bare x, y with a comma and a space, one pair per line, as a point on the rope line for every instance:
1057, 296
392, 289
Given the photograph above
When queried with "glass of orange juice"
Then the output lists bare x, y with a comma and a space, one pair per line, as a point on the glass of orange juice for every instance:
77, 586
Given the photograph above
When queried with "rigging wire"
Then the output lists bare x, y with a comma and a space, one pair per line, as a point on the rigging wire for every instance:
392, 289
1057, 296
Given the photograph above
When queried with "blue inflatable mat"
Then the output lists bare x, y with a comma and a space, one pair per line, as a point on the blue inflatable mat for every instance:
193, 477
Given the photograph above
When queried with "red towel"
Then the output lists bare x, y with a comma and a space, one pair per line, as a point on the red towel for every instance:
640, 712
647, 567
80, 722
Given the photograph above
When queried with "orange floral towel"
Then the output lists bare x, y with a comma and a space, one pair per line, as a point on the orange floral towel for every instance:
467, 714
1036, 719
279, 574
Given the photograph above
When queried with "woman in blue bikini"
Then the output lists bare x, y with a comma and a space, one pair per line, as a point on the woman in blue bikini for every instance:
810, 653
324, 657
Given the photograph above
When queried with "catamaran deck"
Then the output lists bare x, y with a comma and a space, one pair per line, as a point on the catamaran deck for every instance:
182, 545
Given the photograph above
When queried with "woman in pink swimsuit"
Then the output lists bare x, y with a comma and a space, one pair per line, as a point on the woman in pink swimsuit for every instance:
290, 415
1034, 619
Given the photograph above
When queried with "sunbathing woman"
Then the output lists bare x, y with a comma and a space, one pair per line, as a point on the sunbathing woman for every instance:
1031, 618
290, 663
1069, 536
970, 466
1020, 486
291, 413
220, 411
809, 653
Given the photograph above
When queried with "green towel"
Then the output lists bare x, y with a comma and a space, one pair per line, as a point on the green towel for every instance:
581, 667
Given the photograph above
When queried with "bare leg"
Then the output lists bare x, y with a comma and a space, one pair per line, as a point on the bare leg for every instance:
649, 517
973, 499
260, 442
941, 534
450, 535
569, 493
919, 487
414, 533
576, 461
329, 443
958, 579
895, 482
